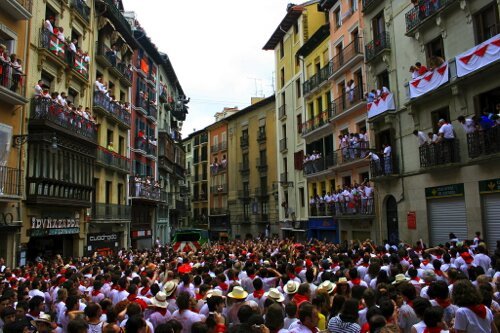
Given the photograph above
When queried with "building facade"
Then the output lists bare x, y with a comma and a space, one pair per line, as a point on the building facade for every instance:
197, 146
453, 184
253, 194
14, 27
295, 29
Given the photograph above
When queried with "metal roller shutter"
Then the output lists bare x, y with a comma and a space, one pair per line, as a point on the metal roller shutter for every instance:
445, 216
491, 209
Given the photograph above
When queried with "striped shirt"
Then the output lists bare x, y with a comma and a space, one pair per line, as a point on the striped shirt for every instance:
336, 325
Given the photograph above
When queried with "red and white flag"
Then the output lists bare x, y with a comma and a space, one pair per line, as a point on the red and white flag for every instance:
429, 81
479, 56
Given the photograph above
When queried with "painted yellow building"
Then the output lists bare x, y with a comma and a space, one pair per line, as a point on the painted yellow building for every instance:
295, 29
14, 38
252, 170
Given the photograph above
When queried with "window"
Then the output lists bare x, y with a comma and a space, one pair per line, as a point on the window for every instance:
298, 88
73, 96
296, 31
121, 145
310, 109
486, 23
282, 49
364, 176
346, 181
109, 137
378, 25
299, 124
302, 197
108, 192
443, 113
338, 18
188, 148
435, 48
361, 126
244, 133
120, 194
383, 80
354, 5
282, 77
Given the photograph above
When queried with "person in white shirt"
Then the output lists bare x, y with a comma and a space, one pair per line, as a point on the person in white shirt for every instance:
49, 24
72, 45
60, 34
184, 315
468, 124
39, 88
421, 137
445, 130
387, 159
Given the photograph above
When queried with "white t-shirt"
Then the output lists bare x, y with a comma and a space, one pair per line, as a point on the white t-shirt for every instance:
469, 126
387, 151
447, 131
187, 318
466, 320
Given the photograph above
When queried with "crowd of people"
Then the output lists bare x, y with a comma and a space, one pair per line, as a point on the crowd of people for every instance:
146, 187
354, 199
376, 94
260, 285
11, 70
217, 166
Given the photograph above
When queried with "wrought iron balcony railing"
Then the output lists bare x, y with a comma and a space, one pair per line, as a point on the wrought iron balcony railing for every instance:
244, 141
321, 119
377, 45
483, 143
317, 79
347, 54
12, 80
113, 160
102, 211
283, 145
82, 8
112, 108
385, 166
282, 111
343, 206
425, 9
11, 181
348, 100
444, 152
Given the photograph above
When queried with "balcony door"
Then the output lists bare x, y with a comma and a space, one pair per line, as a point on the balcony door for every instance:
378, 25
391, 208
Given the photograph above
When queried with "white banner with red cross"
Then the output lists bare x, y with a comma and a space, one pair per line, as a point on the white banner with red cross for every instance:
380, 105
479, 56
429, 81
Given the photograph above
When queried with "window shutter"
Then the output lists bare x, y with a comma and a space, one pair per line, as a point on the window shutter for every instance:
298, 160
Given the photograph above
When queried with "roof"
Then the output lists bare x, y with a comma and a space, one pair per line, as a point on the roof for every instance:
316, 39
325, 5
288, 21
252, 107
148, 45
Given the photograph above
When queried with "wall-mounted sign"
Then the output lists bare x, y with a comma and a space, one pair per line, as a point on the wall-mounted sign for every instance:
103, 243
50, 223
411, 220
445, 191
489, 186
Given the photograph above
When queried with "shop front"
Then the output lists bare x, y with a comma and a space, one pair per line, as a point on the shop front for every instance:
141, 239
10, 229
219, 227
324, 229
49, 236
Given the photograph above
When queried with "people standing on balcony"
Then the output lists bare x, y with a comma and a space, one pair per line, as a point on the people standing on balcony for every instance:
17, 72
214, 167
49, 24
223, 162
421, 137
387, 158
72, 45
349, 89
39, 88
433, 138
446, 132
421, 69
370, 96
375, 160
100, 86
469, 124
435, 62
59, 32
111, 54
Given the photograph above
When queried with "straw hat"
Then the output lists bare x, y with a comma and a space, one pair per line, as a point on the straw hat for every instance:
328, 285
275, 295
170, 287
342, 280
400, 278
238, 293
291, 287
160, 300
214, 292
42, 318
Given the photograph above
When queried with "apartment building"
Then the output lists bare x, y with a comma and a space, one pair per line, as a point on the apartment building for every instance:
196, 146
450, 186
296, 27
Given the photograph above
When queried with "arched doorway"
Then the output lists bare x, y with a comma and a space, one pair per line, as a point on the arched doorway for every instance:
391, 208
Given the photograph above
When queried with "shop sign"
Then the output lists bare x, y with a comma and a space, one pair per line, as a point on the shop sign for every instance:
411, 220
50, 223
489, 186
53, 232
446, 191
103, 243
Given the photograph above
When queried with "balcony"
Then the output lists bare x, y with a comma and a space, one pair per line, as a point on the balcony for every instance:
261, 136
11, 181
283, 145
219, 211
295, 225
244, 141
141, 190
484, 143
104, 55
370, 4
284, 177
78, 66
321, 119
111, 109
201, 139
112, 160
102, 211
282, 112
377, 46
353, 209
18, 9
349, 55
385, 167
261, 163
317, 79
114, 13
144, 147
45, 112
50, 191
244, 168
152, 112
214, 148
141, 104
83, 10
318, 165
244, 194
442, 153
349, 101
127, 74
52, 48
219, 189
11, 89
218, 169
261, 192
426, 9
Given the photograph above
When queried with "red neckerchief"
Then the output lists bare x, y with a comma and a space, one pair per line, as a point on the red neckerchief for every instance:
365, 328
252, 276
365, 264
444, 303
144, 291
479, 310
162, 311
425, 262
438, 256
416, 278
335, 264
298, 270
360, 306
223, 286
299, 299
132, 297
120, 289
410, 303
199, 296
432, 330
438, 272
258, 293
356, 281
291, 276
95, 292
